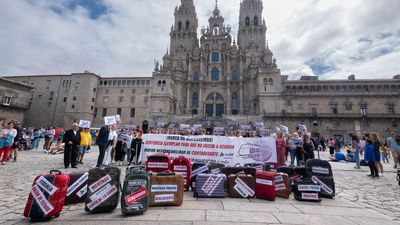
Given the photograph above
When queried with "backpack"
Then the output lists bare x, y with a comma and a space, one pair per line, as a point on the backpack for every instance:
397, 139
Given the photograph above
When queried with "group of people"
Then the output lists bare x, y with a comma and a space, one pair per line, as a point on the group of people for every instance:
10, 134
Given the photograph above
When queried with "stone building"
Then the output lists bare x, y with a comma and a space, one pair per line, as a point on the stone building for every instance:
14, 99
218, 80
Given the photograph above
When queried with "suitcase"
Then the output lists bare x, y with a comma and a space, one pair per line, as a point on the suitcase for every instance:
47, 196
272, 165
265, 185
259, 166
234, 170
210, 186
103, 189
241, 186
215, 167
158, 163
166, 189
130, 169
282, 185
293, 172
318, 167
289, 170
77, 188
183, 166
135, 191
305, 189
197, 168
327, 185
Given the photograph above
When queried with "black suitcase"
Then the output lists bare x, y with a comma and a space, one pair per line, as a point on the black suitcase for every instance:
103, 189
304, 189
210, 186
77, 188
135, 191
215, 167
197, 168
259, 166
289, 170
235, 170
318, 167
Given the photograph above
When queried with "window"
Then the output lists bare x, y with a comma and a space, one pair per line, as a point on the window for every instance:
76, 88
101, 83
65, 99
179, 26
187, 26
348, 106
104, 113
289, 101
255, 20
119, 111
132, 112
95, 113
160, 110
128, 82
164, 83
119, 83
390, 108
107, 91
215, 57
105, 99
91, 108
334, 108
247, 21
123, 82
146, 99
195, 100
74, 98
235, 100
300, 106
214, 74
147, 91
196, 76
120, 99
72, 106
159, 83
143, 82
93, 99
147, 82
234, 75
270, 81
121, 91
133, 91
114, 82
133, 82
51, 95
363, 109
132, 99
394, 123
7, 100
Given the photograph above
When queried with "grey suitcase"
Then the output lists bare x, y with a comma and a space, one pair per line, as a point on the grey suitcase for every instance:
211, 186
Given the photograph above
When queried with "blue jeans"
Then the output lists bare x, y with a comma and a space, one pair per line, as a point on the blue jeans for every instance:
293, 156
35, 143
357, 158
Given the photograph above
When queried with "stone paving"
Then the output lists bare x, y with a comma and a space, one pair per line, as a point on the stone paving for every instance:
360, 200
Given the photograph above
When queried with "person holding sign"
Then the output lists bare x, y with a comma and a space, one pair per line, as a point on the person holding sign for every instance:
86, 140
72, 139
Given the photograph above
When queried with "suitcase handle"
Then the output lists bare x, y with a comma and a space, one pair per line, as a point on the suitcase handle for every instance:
130, 168
165, 173
57, 172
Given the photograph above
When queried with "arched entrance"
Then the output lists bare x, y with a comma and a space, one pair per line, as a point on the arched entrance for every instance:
215, 106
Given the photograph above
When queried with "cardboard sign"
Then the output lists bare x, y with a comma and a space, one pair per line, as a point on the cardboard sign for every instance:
84, 123
130, 127
259, 125
196, 127
218, 130
184, 127
160, 125
245, 128
118, 118
110, 120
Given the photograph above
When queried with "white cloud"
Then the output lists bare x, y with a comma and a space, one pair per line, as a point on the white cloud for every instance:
124, 41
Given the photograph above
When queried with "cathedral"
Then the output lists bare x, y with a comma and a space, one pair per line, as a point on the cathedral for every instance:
216, 80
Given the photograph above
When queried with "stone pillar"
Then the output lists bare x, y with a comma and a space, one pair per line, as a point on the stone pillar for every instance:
228, 99
201, 101
188, 99
241, 99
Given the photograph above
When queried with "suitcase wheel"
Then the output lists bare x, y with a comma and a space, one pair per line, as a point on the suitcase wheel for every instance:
57, 215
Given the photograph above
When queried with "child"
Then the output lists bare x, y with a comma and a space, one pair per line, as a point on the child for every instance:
384, 153
369, 156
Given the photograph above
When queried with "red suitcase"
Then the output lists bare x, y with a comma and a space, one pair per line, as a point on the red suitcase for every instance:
265, 185
158, 163
183, 166
77, 188
47, 196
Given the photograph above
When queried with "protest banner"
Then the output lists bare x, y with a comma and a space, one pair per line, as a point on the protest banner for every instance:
110, 120
84, 123
227, 150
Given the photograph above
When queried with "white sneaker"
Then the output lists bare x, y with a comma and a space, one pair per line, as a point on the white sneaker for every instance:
381, 174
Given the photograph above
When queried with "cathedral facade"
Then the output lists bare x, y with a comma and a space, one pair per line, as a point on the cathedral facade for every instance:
217, 80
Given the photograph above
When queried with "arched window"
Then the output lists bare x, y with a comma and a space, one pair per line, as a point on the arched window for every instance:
270, 81
215, 57
187, 26
247, 22
235, 100
195, 100
265, 81
159, 83
214, 74
163, 83
179, 26
196, 76
234, 75
255, 20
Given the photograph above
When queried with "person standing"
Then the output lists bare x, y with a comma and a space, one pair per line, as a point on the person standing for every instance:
7, 138
102, 141
308, 147
377, 146
280, 148
86, 140
355, 144
369, 156
15, 145
36, 139
394, 147
72, 139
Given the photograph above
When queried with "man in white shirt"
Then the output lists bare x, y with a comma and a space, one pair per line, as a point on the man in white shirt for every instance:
394, 147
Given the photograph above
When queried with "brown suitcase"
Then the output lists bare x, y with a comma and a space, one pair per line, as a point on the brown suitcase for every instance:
282, 185
241, 186
234, 170
166, 188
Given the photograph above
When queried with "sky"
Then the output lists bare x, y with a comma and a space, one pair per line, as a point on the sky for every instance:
326, 38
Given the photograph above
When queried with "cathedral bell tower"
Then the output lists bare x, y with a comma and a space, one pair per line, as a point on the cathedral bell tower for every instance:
252, 28
184, 31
